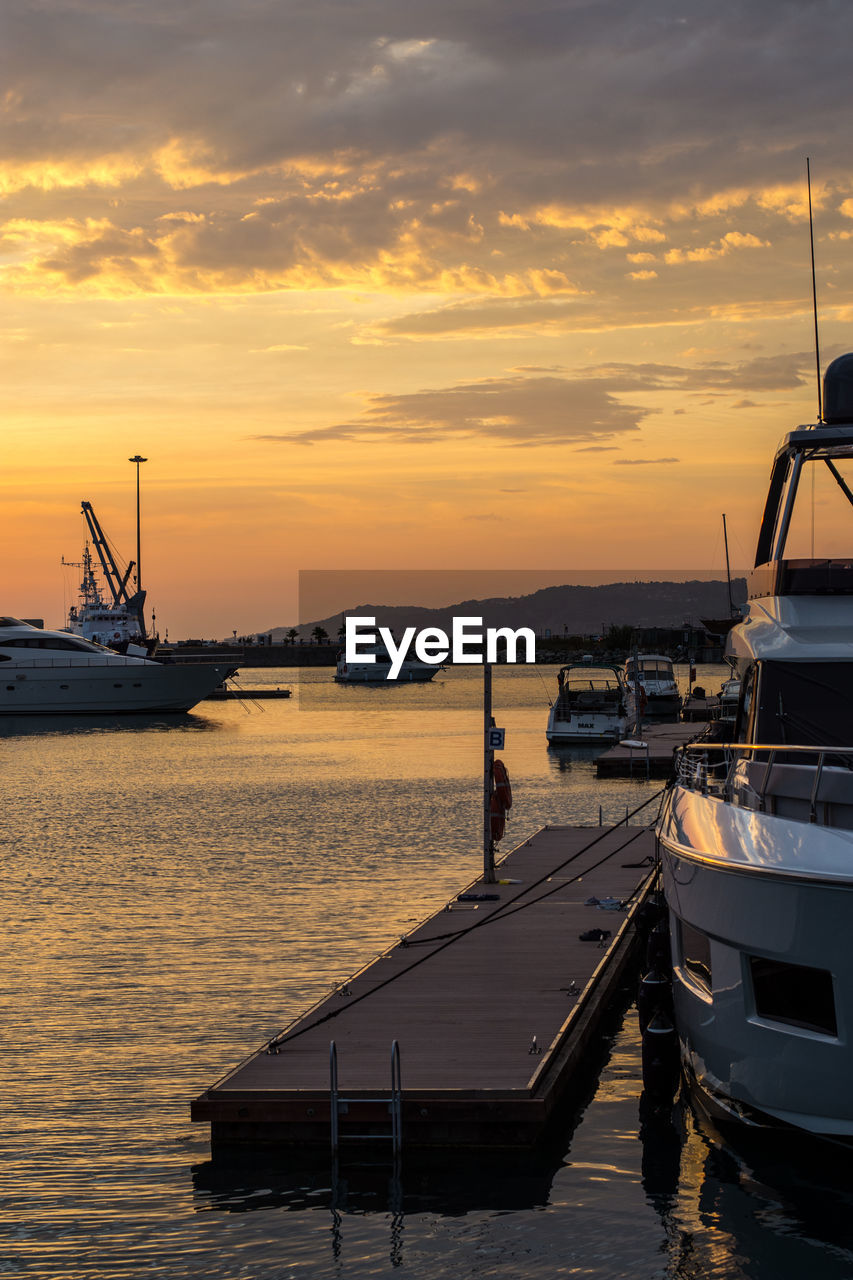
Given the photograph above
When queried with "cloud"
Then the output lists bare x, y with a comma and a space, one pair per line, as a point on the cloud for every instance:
586, 410
394, 145
779, 373
641, 462
511, 411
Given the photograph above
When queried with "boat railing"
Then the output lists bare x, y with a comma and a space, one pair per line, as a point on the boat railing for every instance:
809, 783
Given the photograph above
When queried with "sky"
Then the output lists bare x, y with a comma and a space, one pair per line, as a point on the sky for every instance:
408, 284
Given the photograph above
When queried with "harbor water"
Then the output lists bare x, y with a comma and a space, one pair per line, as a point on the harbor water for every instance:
176, 889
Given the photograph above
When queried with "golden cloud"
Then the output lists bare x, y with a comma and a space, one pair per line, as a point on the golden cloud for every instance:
55, 175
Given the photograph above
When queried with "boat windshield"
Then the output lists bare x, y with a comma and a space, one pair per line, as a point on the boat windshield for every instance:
648, 671
584, 683
822, 515
805, 704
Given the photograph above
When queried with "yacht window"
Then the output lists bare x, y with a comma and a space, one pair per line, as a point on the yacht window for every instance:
794, 994
695, 948
805, 704
45, 642
5, 657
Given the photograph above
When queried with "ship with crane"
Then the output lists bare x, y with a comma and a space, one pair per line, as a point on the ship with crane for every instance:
117, 621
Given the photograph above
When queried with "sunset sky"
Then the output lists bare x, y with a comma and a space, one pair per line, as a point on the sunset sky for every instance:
408, 283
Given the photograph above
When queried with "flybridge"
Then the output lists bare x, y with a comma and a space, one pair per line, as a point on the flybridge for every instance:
468, 642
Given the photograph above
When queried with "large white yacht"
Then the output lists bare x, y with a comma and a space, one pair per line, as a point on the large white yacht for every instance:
54, 673
757, 834
592, 706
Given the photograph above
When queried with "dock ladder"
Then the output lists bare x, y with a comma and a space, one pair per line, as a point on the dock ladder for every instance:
339, 1105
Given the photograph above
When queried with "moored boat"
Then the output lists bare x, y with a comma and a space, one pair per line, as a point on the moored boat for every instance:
757, 834
591, 706
658, 697
46, 672
377, 671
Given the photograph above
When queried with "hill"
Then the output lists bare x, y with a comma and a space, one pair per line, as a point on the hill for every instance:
564, 610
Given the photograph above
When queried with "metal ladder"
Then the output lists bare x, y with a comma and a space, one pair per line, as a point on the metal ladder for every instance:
339, 1105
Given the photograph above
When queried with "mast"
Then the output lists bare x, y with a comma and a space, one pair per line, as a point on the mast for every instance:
814, 294
732, 609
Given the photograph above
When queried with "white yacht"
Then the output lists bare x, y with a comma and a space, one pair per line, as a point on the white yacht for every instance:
659, 699
54, 673
757, 834
376, 672
591, 706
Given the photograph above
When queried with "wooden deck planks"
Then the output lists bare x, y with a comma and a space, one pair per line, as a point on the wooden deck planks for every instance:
463, 1008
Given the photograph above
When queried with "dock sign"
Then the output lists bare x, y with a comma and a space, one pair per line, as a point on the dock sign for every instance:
495, 739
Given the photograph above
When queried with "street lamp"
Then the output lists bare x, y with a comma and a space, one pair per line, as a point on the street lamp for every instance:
137, 460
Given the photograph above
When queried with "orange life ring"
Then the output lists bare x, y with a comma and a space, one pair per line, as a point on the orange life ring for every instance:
503, 790
498, 821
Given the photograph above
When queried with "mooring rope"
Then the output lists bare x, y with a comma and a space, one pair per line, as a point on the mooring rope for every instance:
500, 913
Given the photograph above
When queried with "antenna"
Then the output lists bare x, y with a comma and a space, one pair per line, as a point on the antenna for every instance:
814, 293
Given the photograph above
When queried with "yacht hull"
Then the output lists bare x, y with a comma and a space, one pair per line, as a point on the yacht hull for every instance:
114, 687
379, 675
770, 899
582, 730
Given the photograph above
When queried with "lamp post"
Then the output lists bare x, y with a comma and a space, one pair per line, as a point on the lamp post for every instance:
138, 460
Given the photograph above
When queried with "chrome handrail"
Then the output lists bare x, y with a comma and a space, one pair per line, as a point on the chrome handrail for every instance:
696, 769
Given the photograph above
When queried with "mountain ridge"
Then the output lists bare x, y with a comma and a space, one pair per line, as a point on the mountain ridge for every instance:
562, 610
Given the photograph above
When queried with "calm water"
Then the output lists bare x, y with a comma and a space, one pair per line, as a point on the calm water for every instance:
175, 892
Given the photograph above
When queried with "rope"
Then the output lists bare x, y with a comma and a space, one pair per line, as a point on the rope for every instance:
510, 908
545, 687
446, 940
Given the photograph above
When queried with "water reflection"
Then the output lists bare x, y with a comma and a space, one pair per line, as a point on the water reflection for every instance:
450, 1182
740, 1202
97, 725
562, 759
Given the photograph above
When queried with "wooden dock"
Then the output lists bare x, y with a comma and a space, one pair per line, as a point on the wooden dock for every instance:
700, 708
652, 756
493, 1003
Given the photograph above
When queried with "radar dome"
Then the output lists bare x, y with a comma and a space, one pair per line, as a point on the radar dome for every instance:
838, 390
